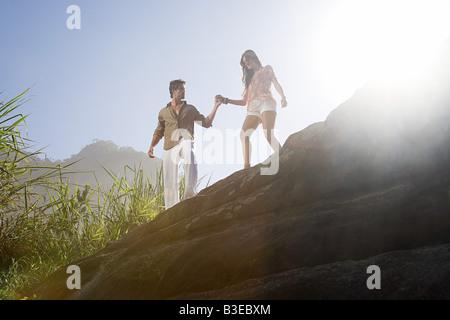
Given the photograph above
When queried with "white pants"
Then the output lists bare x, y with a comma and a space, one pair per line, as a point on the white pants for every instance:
171, 159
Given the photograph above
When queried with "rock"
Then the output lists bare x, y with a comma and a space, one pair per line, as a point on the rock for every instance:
370, 185
399, 275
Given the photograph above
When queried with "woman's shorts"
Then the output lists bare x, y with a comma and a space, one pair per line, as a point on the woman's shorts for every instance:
257, 107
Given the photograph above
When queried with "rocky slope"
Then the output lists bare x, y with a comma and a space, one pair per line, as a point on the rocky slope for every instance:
370, 185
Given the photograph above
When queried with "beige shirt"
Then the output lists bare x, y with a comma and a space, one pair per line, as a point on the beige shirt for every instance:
169, 122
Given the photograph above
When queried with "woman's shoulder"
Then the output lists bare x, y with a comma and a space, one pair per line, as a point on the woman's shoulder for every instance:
268, 70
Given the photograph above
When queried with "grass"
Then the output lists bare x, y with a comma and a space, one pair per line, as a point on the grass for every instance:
46, 221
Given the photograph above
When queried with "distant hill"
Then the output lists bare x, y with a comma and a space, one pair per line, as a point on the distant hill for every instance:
88, 166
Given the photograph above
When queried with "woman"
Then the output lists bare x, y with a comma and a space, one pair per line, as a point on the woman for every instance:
261, 106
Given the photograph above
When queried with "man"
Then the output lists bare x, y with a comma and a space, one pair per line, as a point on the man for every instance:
176, 125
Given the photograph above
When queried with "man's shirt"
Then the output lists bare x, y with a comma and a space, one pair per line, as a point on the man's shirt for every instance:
169, 122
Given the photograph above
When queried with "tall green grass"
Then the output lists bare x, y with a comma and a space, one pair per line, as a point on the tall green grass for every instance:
46, 221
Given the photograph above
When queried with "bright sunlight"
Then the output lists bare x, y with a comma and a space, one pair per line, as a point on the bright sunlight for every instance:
382, 40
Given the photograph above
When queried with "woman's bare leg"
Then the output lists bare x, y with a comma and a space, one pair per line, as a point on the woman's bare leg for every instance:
249, 126
268, 122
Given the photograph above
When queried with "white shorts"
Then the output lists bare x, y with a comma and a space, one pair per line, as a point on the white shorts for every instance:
257, 107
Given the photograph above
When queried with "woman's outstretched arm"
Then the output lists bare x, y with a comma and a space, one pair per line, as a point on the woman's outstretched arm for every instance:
241, 102
280, 91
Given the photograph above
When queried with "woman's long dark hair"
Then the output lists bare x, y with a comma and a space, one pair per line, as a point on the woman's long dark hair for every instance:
247, 74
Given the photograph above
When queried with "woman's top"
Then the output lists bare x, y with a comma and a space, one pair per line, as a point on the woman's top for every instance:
259, 87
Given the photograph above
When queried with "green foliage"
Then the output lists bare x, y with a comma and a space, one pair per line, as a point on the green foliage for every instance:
47, 222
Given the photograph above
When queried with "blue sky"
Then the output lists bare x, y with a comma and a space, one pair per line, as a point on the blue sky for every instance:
109, 79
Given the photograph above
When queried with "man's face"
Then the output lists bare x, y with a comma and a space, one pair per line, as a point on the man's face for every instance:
178, 93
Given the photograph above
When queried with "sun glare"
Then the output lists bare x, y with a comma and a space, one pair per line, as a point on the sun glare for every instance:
383, 40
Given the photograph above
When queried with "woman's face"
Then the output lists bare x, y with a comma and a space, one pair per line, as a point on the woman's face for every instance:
249, 63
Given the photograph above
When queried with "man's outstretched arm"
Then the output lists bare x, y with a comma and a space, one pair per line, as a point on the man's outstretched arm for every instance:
212, 115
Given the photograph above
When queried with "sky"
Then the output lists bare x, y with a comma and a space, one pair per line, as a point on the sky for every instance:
108, 79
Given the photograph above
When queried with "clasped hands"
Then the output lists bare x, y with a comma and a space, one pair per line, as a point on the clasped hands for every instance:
224, 100
219, 99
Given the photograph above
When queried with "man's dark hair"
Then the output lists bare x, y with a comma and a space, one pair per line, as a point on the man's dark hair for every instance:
175, 84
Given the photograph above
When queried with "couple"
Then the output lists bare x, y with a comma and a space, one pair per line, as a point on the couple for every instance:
176, 124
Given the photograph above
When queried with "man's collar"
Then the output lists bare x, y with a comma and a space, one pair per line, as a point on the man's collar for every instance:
169, 105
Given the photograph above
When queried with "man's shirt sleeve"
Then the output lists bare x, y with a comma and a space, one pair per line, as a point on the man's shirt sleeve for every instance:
161, 126
205, 121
